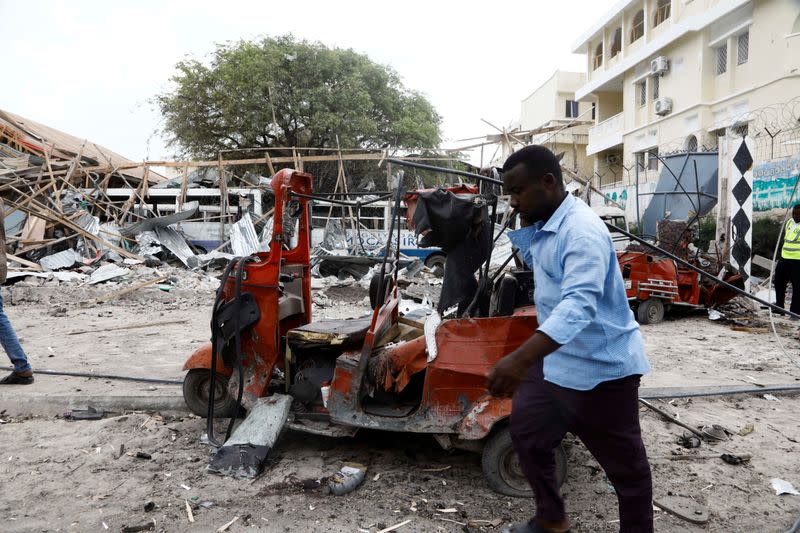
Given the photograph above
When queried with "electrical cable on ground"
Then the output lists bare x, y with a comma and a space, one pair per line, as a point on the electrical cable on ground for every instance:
101, 376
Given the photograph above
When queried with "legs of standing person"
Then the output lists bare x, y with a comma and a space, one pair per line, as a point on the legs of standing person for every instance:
10, 342
780, 280
606, 419
794, 277
536, 430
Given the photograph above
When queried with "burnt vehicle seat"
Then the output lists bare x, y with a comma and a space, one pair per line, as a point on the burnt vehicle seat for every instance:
342, 334
512, 290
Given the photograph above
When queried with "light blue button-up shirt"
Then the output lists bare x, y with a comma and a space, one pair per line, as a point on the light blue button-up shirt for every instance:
580, 298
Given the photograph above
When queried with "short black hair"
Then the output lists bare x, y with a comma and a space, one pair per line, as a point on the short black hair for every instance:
796, 206
538, 159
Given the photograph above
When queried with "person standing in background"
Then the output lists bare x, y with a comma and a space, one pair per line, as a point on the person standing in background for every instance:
23, 373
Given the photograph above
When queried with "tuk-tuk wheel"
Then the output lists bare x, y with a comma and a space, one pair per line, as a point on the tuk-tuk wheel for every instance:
502, 469
650, 311
196, 386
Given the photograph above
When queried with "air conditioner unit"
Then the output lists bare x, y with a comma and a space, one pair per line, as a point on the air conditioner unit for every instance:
659, 66
612, 159
663, 106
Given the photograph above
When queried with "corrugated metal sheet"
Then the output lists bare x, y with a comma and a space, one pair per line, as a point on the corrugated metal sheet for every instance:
244, 240
64, 259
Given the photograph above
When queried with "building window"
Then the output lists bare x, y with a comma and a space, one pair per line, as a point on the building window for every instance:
655, 81
637, 31
662, 12
743, 48
691, 143
598, 57
594, 110
572, 109
616, 44
641, 96
640, 160
652, 159
722, 59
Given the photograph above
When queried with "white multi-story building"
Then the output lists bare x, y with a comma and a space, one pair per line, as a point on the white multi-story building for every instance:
553, 108
679, 73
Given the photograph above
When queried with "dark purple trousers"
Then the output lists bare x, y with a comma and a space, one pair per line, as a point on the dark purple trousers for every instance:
606, 419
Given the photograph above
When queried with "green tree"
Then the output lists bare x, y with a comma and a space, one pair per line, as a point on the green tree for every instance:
286, 92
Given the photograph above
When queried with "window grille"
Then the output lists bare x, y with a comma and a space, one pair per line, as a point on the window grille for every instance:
743, 48
642, 94
656, 81
722, 59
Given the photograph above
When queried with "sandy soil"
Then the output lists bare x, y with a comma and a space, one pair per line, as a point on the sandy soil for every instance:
57, 475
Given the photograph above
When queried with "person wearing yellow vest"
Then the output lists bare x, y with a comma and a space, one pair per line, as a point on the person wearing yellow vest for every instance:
788, 267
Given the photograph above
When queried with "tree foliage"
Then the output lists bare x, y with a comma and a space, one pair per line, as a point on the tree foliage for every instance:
287, 92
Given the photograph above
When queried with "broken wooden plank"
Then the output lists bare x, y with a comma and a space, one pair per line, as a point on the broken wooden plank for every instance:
123, 292
35, 266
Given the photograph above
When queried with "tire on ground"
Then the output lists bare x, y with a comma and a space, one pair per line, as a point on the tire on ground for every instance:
650, 311
501, 466
196, 386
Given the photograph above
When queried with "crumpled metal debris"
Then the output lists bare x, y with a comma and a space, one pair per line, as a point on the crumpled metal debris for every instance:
190, 209
107, 272
175, 243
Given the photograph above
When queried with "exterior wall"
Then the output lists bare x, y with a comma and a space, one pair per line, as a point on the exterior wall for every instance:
547, 107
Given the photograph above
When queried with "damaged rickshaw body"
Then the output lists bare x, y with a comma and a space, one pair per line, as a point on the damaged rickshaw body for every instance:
381, 371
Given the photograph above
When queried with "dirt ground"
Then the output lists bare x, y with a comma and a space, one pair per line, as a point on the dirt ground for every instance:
58, 475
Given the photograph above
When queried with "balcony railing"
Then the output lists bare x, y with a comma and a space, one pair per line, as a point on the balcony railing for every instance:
606, 134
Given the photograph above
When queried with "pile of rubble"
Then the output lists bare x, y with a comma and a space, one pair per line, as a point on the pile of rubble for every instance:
62, 225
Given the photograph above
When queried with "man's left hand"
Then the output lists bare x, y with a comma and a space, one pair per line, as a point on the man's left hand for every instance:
506, 376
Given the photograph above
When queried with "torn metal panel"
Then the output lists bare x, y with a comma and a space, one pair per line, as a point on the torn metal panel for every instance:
190, 209
175, 243
109, 232
148, 244
14, 223
63, 259
210, 258
687, 187
88, 222
244, 240
107, 272
244, 454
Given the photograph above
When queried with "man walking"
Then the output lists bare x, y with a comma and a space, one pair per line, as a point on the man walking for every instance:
580, 371
788, 268
22, 374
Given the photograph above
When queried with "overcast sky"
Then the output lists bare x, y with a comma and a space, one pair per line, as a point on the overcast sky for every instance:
90, 68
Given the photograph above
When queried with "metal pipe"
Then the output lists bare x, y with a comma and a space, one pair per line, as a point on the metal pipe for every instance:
445, 170
339, 202
672, 418
700, 271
